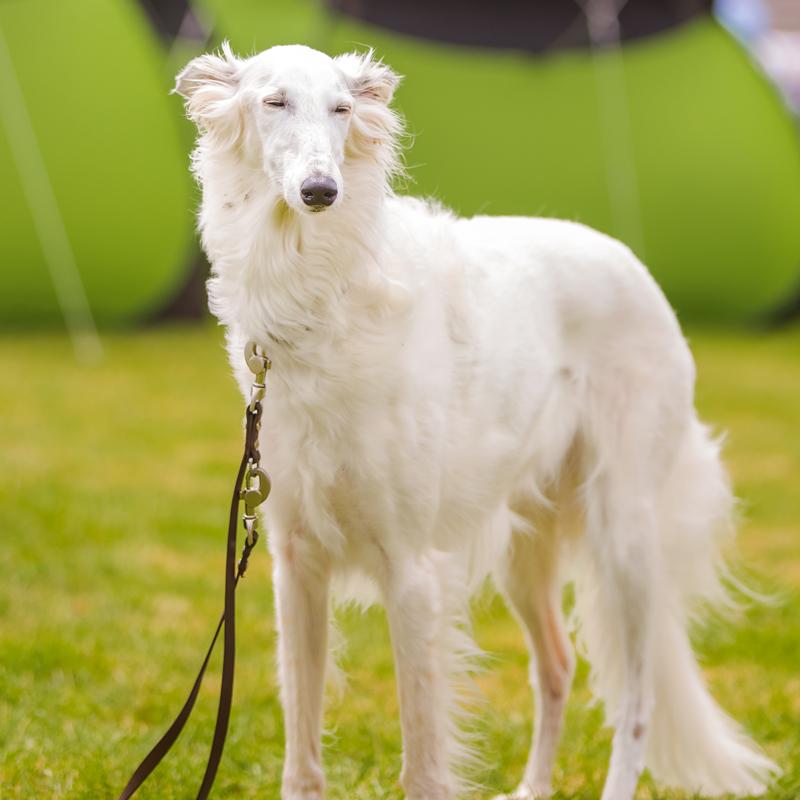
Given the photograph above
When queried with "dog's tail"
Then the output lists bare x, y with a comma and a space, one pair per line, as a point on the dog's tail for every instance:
692, 742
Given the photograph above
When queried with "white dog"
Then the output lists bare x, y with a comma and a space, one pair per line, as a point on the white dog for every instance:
449, 398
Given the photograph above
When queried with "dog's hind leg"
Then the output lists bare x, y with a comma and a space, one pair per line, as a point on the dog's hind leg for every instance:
301, 596
628, 585
529, 579
623, 592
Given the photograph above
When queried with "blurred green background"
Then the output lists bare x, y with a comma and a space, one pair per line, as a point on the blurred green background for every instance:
117, 446
675, 143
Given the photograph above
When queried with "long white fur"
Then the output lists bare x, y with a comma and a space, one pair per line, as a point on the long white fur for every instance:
450, 398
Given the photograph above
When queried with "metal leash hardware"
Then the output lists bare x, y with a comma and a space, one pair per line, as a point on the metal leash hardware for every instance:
259, 364
252, 487
256, 481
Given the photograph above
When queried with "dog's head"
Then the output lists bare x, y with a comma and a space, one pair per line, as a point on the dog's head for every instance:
297, 114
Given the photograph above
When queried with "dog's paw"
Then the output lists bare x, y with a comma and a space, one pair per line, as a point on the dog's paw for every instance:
303, 794
303, 787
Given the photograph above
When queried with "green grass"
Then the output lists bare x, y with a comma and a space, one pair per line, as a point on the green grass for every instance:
114, 483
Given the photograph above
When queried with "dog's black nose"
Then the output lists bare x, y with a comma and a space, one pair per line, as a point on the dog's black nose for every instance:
318, 191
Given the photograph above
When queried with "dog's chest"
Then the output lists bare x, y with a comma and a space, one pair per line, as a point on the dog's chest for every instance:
358, 454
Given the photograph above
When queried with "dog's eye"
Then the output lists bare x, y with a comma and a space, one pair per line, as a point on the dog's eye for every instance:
342, 109
274, 102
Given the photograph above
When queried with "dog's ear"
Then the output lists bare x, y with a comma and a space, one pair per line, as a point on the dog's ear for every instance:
368, 79
376, 127
209, 84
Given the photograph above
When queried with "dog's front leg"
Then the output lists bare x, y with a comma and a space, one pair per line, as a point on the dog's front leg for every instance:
301, 580
415, 610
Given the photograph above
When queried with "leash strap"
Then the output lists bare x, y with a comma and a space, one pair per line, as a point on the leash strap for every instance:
252, 485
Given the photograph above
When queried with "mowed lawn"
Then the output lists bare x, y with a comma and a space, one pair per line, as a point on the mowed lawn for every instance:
114, 484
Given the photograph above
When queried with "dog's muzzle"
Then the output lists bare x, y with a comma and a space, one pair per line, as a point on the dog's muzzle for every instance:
317, 193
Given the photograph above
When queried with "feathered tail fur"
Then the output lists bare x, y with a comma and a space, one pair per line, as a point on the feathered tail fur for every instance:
692, 743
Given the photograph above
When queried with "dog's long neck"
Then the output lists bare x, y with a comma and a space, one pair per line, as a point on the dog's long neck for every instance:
293, 280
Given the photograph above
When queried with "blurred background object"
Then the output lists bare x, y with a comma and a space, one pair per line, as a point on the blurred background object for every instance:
96, 216
771, 30
646, 119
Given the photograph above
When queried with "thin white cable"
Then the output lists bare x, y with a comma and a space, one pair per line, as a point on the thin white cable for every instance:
45, 212
602, 17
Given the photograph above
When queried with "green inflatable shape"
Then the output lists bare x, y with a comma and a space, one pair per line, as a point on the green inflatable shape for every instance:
88, 74
678, 145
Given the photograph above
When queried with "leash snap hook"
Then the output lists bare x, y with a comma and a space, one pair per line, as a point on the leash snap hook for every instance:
257, 488
258, 364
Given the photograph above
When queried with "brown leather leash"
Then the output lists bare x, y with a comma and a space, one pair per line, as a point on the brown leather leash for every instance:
252, 486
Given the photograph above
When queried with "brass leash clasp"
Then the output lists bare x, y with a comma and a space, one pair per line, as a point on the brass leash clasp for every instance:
254, 492
259, 364
257, 486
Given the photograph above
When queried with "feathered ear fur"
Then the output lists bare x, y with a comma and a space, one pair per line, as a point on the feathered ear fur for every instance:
210, 83
376, 128
367, 78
